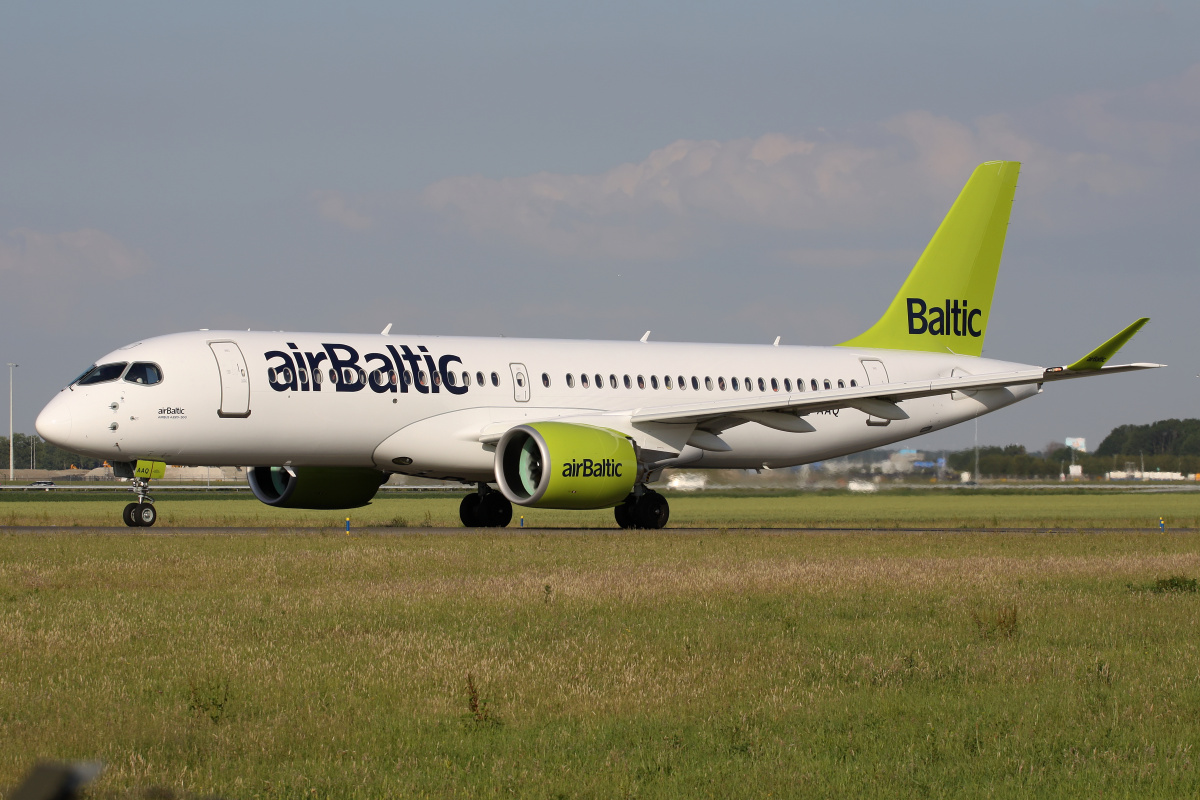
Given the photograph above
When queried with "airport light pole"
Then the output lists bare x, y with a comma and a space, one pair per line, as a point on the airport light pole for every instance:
11, 473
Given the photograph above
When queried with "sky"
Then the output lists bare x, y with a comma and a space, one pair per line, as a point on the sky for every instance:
710, 172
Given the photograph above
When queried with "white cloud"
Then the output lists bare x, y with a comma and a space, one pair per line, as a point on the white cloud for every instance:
334, 207
695, 194
83, 254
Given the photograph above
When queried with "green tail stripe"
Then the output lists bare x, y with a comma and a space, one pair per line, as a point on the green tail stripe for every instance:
945, 303
1100, 356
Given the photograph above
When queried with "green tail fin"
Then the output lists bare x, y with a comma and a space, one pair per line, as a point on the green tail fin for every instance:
944, 304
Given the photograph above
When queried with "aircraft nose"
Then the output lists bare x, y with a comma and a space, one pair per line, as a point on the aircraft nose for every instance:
54, 423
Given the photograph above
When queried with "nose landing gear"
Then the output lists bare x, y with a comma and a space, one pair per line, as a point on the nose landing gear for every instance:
649, 511
486, 508
140, 514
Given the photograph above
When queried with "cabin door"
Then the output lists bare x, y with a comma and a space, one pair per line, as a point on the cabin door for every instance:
876, 374
235, 380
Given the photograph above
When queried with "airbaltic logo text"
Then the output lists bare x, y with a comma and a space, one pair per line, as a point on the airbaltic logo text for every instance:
339, 368
604, 468
952, 318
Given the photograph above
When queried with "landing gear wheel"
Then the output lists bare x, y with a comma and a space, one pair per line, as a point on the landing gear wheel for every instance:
652, 511
468, 510
128, 515
145, 514
624, 512
494, 510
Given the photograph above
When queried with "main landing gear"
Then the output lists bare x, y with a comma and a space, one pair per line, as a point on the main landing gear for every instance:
649, 511
140, 514
486, 508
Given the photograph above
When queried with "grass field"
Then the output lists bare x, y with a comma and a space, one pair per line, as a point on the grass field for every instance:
554, 664
933, 509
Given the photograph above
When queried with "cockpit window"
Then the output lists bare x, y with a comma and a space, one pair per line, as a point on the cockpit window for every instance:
144, 372
102, 374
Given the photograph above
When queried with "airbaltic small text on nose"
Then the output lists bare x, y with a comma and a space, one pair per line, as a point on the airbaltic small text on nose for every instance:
950, 318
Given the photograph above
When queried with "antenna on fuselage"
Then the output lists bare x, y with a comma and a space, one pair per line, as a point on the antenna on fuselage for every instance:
386, 330
645, 337
777, 338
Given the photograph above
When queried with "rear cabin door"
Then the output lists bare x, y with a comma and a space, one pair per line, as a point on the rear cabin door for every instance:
235, 381
520, 377
876, 374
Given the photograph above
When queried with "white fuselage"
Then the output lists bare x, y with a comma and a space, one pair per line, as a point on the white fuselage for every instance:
378, 403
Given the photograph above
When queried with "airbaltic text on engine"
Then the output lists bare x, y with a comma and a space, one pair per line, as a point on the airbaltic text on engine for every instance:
605, 468
300, 371
952, 319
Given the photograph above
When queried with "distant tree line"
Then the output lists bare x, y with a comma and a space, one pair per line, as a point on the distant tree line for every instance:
1171, 445
46, 455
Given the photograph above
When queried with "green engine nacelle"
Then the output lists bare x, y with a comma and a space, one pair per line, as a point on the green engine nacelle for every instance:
563, 465
315, 487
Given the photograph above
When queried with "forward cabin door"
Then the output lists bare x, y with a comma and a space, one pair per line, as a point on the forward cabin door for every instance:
235, 380
876, 374
520, 377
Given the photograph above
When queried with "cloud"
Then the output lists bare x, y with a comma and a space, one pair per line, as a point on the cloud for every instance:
86, 254
335, 208
692, 195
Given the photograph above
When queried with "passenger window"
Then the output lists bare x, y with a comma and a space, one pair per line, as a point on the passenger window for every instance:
853, 383
736, 386
762, 385
695, 383
799, 384
407, 378
479, 378
520, 379
721, 383
774, 385
641, 382
827, 385
583, 380
102, 374
787, 384
318, 377
749, 385
437, 379
144, 373
841, 384
450, 379
422, 379
495, 379
682, 383
708, 383
466, 378
546, 380
333, 376
667, 381
302, 374
653, 381
815, 387
570, 381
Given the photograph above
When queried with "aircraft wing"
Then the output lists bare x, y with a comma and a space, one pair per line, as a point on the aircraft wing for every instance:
881, 400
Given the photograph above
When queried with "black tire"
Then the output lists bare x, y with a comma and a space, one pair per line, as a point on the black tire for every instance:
145, 515
652, 511
624, 512
127, 515
468, 511
495, 511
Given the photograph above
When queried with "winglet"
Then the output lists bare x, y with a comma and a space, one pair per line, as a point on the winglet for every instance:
1100, 356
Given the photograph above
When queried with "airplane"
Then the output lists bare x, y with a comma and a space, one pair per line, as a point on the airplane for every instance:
321, 420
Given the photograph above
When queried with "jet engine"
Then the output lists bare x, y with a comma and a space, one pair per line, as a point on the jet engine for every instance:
565, 465
315, 487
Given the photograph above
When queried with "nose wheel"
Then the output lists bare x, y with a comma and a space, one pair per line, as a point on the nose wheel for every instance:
648, 511
140, 514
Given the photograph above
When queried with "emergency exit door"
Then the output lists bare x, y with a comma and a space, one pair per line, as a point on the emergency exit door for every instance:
520, 377
876, 374
235, 381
